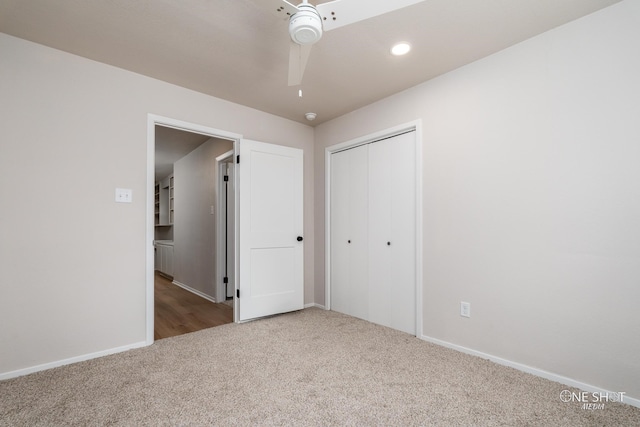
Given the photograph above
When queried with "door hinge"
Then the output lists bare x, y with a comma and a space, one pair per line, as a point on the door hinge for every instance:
225, 280
226, 178
238, 159
237, 293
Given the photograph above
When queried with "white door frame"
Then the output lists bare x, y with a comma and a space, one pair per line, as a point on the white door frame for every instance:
221, 292
152, 121
387, 133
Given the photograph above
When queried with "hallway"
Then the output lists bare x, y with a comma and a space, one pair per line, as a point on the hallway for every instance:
178, 311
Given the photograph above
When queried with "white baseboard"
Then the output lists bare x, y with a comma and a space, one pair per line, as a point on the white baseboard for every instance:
314, 305
194, 291
530, 370
82, 358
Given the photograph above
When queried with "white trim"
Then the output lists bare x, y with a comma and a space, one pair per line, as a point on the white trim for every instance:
58, 363
224, 156
315, 305
327, 228
154, 120
416, 126
150, 234
236, 234
529, 370
419, 221
194, 291
386, 133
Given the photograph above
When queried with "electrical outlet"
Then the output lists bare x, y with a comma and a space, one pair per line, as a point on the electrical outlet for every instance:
465, 309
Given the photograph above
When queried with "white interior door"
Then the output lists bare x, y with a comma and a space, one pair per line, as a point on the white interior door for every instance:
271, 270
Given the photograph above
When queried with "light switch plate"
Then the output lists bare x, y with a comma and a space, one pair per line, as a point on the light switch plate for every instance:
124, 195
465, 309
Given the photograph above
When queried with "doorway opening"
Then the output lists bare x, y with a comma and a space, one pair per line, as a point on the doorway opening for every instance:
183, 233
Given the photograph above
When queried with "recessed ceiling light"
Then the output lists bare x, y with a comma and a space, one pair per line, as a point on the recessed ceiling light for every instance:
400, 49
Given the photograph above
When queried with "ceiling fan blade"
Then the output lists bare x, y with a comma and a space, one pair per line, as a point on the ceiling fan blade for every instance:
338, 13
298, 56
280, 8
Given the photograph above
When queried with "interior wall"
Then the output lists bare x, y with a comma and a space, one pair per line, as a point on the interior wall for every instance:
530, 199
163, 233
196, 194
73, 260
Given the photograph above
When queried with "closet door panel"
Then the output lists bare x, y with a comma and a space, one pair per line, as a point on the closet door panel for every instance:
392, 187
403, 232
381, 244
349, 239
359, 232
339, 221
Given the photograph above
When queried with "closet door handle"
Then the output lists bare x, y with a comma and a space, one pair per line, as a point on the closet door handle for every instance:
388, 243
299, 239
348, 241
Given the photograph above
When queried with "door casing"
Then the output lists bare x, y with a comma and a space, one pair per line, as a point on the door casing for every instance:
154, 120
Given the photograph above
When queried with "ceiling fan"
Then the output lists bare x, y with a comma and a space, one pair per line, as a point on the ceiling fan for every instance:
307, 23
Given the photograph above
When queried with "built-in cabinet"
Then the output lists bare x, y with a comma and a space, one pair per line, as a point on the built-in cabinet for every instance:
373, 227
164, 257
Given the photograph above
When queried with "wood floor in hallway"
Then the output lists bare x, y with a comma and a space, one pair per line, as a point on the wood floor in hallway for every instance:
178, 311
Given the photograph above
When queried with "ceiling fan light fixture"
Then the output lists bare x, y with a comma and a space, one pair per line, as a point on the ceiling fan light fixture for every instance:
305, 27
400, 49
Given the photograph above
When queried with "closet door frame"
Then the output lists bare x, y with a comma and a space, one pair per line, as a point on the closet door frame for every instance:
415, 126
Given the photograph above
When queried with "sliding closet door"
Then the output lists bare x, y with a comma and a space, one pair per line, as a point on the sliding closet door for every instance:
392, 239
349, 231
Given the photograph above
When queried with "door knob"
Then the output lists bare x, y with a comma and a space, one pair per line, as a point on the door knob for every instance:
299, 239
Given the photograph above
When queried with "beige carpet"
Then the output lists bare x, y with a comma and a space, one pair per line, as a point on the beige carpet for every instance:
306, 368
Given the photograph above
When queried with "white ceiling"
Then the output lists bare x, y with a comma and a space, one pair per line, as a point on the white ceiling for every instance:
238, 50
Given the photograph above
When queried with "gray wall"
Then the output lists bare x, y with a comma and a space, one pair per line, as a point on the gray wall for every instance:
194, 250
530, 198
73, 260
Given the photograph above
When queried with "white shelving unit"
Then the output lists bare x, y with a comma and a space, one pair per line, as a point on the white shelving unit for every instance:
157, 204
165, 202
171, 199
